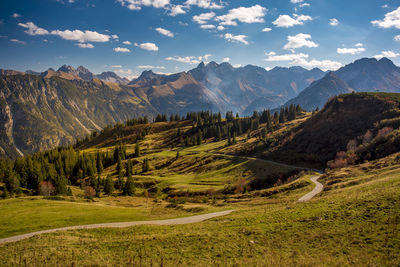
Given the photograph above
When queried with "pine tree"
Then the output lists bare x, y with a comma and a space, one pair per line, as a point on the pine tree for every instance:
129, 188
137, 150
109, 185
146, 166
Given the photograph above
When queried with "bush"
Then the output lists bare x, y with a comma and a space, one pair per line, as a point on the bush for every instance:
46, 188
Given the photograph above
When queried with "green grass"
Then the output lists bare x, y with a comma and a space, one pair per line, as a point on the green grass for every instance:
356, 222
24, 215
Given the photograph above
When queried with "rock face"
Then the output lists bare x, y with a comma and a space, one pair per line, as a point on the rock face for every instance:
363, 75
39, 113
110, 76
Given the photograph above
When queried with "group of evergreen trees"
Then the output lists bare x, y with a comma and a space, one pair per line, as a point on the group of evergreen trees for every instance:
208, 125
52, 171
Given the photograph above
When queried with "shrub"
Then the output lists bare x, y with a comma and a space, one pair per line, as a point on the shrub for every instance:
46, 188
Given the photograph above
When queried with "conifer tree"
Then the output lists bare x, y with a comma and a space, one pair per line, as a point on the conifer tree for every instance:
137, 150
109, 185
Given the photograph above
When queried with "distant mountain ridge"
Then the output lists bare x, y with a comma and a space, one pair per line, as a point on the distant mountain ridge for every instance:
363, 75
43, 110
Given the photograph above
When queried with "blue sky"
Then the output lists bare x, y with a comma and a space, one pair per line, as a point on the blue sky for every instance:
128, 36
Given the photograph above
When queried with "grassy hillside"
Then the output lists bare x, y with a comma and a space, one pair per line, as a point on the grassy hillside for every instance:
364, 126
355, 221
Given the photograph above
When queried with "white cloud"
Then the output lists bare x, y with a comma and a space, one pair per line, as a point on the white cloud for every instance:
204, 17
296, 1
176, 10
226, 59
272, 56
392, 19
304, 5
116, 66
165, 32
286, 21
333, 22
207, 26
189, 59
114, 36
351, 51
147, 46
385, 6
236, 38
266, 30
208, 4
397, 38
237, 65
122, 50
301, 60
388, 54
150, 67
137, 4
251, 14
220, 28
16, 15
82, 36
85, 45
18, 41
32, 29
127, 43
359, 45
299, 40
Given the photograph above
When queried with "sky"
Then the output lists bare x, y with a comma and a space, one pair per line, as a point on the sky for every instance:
168, 36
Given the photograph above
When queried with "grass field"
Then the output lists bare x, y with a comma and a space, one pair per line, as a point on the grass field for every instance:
28, 214
355, 221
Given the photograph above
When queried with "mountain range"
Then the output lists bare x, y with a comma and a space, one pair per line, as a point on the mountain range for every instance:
363, 75
42, 110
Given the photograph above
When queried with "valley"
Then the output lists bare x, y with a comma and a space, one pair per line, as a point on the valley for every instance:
273, 209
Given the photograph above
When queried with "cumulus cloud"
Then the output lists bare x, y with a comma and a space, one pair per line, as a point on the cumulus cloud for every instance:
207, 26
220, 28
122, 50
147, 46
333, 22
301, 59
85, 45
204, 17
32, 29
189, 59
251, 14
165, 32
392, 19
266, 30
236, 38
150, 67
176, 10
114, 36
226, 59
116, 66
127, 43
296, 1
286, 21
16, 15
299, 40
397, 38
388, 54
359, 45
18, 41
137, 4
82, 36
207, 4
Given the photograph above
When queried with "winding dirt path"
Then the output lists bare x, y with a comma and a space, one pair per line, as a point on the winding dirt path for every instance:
318, 188
185, 220
176, 221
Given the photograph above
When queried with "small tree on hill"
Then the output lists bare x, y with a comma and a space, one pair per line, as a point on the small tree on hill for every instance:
109, 186
137, 150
